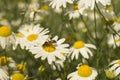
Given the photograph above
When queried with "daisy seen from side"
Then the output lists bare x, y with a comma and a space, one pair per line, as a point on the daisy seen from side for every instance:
82, 48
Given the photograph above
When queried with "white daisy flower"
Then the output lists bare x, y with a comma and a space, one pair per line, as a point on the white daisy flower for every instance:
116, 24
114, 40
59, 3
73, 13
51, 50
82, 48
115, 66
90, 4
34, 7
30, 35
7, 37
7, 61
3, 74
84, 72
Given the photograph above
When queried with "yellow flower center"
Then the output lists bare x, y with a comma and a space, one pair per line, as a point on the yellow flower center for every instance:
118, 19
21, 67
109, 8
110, 74
17, 76
44, 7
78, 44
84, 71
118, 62
3, 60
5, 31
75, 7
32, 37
117, 40
20, 35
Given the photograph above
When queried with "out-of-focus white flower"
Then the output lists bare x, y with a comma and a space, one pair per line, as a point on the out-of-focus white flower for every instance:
114, 40
82, 48
3, 74
90, 4
59, 3
74, 13
51, 50
30, 35
84, 72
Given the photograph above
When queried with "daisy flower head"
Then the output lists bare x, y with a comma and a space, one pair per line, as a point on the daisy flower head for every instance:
30, 35
73, 13
7, 37
114, 40
117, 24
84, 72
82, 48
51, 50
114, 67
7, 61
59, 3
3, 74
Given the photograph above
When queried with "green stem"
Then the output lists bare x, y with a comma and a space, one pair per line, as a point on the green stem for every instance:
91, 38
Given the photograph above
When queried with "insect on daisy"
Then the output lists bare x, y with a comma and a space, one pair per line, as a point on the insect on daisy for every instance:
84, 72
82, 48
7, 37
30, 35
51, 50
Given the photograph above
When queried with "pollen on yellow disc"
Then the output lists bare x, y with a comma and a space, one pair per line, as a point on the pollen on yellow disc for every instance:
20, 35
3, 60
21, 67
17, 76
32, 37
49, 48
75, 7
84, 71
78, 44
5, 31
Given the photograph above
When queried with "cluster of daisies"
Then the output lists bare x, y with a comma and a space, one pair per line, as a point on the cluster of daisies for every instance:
36, 39
79, 7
